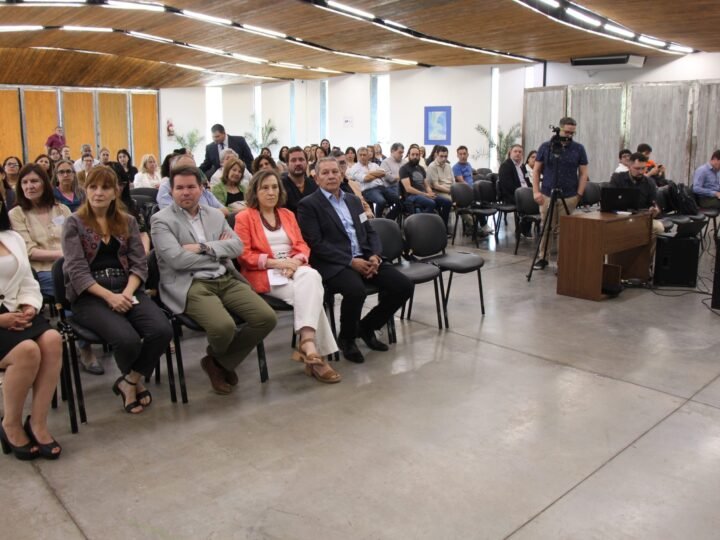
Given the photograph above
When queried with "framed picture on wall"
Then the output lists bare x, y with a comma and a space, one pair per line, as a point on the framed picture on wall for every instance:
438, 123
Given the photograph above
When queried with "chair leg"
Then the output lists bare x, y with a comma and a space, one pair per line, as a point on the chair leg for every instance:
54, 402
498, 224
293, 340
482, 298
447, 293
454, 233
437, 304
157, 372
402, 311
517, 233
171, 374
442, 297
177, 329
66, 385
262, 362
78, 383
410, 305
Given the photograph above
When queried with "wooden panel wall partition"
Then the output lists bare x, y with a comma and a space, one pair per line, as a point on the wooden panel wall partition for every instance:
78, 120
11, 133
41, 119
145, 134
113, 116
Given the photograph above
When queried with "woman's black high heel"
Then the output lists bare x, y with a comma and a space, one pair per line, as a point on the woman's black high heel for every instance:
130, 406
45, 450
23, 453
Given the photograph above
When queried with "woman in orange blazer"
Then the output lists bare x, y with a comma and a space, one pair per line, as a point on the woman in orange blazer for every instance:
275, 262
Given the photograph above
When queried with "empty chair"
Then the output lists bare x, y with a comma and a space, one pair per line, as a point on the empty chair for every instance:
463, 200
526, 210
591, 196
427, 240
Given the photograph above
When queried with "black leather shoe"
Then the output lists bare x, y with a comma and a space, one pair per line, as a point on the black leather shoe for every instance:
368, 336
540, 265
350, 350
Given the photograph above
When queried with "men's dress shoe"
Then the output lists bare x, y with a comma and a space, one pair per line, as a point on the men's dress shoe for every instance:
231, 377
350, 351
216, 374
540, 265
368, 336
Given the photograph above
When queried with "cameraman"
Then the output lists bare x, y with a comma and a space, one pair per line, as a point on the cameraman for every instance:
568, 173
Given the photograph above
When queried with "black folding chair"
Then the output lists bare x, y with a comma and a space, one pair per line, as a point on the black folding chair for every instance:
527, 211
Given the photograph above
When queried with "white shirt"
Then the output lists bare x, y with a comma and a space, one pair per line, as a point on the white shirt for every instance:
621, 168
358, 172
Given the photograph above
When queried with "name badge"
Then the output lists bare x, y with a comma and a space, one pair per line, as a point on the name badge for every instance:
363, 217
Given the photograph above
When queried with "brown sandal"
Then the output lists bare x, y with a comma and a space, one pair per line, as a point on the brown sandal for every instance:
314, 361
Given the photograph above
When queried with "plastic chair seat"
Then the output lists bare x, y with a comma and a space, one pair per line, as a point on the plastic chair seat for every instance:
506, 208
460, 263
83, 333
276, 304
418, 272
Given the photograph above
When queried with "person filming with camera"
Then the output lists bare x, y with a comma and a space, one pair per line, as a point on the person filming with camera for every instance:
563, 165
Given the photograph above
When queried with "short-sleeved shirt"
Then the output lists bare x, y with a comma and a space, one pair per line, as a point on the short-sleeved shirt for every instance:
645, 185
440, 176
55, 141
465, 170
566, 165
416, 175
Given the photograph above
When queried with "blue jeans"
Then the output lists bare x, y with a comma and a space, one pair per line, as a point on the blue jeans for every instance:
381, 197
426, 205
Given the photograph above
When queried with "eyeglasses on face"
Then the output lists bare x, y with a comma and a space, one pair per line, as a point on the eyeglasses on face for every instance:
65, 171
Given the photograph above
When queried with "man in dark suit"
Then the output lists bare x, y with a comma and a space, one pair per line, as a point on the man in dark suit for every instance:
511, 175
221, 141
345, 249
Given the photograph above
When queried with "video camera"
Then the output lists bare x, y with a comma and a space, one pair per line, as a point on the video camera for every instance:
556, 142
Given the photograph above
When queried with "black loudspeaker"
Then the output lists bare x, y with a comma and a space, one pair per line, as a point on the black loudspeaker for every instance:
715, 303
676, 262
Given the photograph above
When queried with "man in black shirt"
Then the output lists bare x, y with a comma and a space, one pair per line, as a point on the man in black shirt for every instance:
296, 182
418, 191
635, 178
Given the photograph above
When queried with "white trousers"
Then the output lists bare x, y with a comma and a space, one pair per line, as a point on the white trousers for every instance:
305, 294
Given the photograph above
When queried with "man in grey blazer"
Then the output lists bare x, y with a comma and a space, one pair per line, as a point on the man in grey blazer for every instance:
195, 247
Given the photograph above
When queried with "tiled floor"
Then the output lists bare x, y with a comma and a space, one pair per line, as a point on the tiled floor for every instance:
550, 417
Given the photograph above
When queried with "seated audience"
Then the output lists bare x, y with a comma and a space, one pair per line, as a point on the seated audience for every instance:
149, 175
104, 156
127, 170
371, 154
379, 153
265, 151
391, 166
132, 208
432, 155
325, 145
318, 153
229, 191
529, 166
54, 155
351, 156
706, 182
624, 164
512, 175
463, 172
369, 177
295, 181
349, 185
282, 160
417, 189
88, 163
654, 170
346, 251
65, 154
225, 156
194, 247
30, 353
67, 190
84, 149
440, 174
275, 262
264, 163
44, 161
105, 267
164, 196
6, 192
12, 166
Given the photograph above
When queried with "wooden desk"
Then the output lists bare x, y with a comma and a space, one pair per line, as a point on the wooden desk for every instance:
585, 240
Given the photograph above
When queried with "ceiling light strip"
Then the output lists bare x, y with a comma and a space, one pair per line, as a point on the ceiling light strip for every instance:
581, 18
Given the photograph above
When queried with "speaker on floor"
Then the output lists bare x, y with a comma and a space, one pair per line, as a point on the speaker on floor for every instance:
715, 303
676, 261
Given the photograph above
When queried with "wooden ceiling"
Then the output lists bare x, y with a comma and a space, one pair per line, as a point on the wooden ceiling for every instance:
34, 57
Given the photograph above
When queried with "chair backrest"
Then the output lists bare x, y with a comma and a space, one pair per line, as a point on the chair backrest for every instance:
484, 171
485, 192
59, 283
390, 237
426, 234
592, 194
462, 194
662, 200
145, 192
152, 283
525, 203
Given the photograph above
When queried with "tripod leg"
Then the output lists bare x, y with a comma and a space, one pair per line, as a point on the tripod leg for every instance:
545, 231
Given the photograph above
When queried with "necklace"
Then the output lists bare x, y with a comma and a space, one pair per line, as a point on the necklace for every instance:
267, 225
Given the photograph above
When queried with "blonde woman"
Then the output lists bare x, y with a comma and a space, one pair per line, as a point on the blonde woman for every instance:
149, 175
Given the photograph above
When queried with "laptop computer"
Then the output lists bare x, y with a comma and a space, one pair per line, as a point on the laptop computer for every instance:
619, 199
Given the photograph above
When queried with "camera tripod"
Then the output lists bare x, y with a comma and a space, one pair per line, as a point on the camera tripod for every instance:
547, 228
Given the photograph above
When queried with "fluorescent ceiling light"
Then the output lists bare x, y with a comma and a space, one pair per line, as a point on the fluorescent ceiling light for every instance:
261, 77
395, 24
681, 49
403, 62
349, 9
437, 42
313, 47
391, 29
552, 3
119, 4
228, 74
264, 31
62, 3
205, 18
575, 14
288, 65
54, 2
251, 59
187, 66
325, 70
86, 29
353, 55
619, 31
150, 37
20, 28
209, 50
652, 41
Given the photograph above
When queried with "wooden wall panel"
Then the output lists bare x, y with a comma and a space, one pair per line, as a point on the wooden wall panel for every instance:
145, 126
11, 133
41, 119
79, 121
113, 111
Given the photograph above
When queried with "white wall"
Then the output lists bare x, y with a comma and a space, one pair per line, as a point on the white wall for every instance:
349, 98
657, 69
186, 108
276, 107
238, 107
